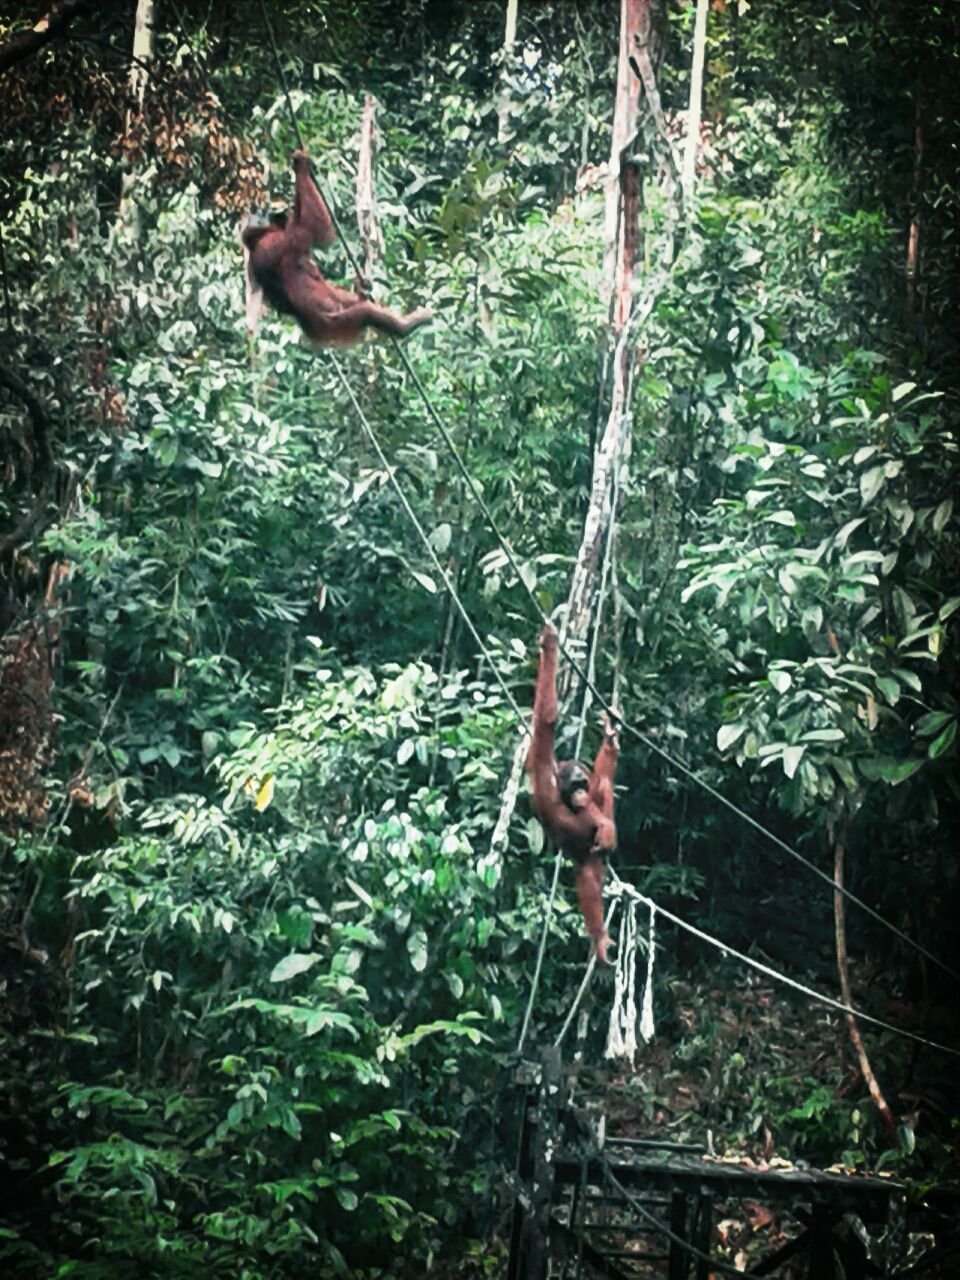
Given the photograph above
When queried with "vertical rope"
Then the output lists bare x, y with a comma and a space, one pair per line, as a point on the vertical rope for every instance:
621, 1031
585, 980
540, 950
646, 1014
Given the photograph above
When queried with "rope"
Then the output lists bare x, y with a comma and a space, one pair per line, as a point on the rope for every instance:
605, 571
424, 537
723, 1268
283, 80
540, 950
622, 1028
647, 1029
619, 886
782, 845
585, 980
575, 666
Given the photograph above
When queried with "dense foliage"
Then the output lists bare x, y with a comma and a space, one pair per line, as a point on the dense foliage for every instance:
263, 975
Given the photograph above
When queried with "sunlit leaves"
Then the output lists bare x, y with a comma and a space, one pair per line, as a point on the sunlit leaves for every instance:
291, 966
417, 949
265, 794
304, 1020
728, 734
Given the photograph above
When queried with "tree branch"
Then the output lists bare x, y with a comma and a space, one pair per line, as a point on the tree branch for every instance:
53, 27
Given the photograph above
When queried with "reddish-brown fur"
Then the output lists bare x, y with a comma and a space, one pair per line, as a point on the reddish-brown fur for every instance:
282, 266
587, 834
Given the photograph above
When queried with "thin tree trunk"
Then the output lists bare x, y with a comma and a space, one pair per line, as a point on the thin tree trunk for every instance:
509, 40
856, 1040
368, 214
625, 112
621, 222
696, 96
143, 48
620, 248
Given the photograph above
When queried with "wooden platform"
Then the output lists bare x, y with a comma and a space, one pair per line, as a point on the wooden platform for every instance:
590, 1204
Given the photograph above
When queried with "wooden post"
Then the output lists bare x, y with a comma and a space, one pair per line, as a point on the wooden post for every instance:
679, 1257
544, 1145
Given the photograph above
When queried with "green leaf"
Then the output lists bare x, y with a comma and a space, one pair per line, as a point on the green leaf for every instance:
886, 769
844, 772
909, 678
425, 581
728, 734
870, 484
292, 965
167, 450
348, 1199
781, 680
440, 538
940, 745
903, 389
942, 515
932, 723
823, 735
791, 759
360, 892
417, 949
889, 688
843, 534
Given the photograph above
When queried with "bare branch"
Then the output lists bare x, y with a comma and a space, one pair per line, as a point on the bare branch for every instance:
53, 27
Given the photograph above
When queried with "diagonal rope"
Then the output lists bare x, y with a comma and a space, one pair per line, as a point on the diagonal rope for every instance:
619, 886
588, 683
424, 536
547, 914
716, 1265
788, 849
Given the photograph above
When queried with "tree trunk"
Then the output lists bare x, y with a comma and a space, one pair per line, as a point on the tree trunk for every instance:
876, 1093
368, 215
143, 47
621, 231
696, 96
632, 13
503, 99
621, 222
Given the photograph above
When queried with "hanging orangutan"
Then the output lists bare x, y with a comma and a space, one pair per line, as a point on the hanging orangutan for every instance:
279, 263
574, 803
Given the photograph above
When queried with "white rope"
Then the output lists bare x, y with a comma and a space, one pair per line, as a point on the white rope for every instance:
622, 1031
647, 1028
620, 887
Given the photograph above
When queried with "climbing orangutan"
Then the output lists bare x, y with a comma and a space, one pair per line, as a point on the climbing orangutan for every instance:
280, 263
574, 803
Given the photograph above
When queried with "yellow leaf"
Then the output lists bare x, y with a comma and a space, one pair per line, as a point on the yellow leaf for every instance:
265, 794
